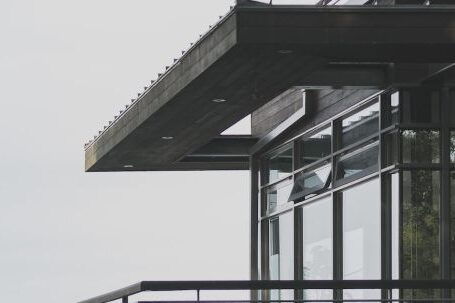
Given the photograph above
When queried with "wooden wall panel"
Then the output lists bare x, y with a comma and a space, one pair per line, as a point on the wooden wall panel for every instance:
276, 111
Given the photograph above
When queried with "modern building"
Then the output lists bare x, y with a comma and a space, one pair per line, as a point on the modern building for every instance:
352, 148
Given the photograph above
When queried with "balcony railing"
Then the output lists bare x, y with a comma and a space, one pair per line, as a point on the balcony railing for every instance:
445, 287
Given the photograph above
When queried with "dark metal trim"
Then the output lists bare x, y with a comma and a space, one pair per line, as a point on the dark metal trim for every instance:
268, 284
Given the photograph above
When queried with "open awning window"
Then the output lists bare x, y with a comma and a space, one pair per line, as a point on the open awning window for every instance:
311, 181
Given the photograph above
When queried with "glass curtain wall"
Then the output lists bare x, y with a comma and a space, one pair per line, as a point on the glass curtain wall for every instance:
362, 237
281, 252
363, 195
317, 245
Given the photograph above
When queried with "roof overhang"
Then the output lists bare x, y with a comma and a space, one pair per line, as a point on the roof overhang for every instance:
253, 54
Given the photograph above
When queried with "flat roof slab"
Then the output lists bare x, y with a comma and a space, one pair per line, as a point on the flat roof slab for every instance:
251, 56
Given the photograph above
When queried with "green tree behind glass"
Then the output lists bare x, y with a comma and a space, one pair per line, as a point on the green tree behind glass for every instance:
420, 225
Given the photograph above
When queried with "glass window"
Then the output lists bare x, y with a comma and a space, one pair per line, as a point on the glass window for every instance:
420, 146
391, 112
315, 147
452, 146
395, 228
420, 230
364, 160
281, 253
360, 125
278, 195
420, 225
452, 106
348, 2
390, 153
317, 239
311, 181
280, 164
362, 236
420, 105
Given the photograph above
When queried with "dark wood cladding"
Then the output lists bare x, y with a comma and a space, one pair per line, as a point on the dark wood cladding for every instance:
329, 103
276, 111
321, 105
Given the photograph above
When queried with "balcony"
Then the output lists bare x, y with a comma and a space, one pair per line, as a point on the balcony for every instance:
391, 290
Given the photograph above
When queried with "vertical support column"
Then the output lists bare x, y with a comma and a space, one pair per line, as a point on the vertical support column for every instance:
254, 241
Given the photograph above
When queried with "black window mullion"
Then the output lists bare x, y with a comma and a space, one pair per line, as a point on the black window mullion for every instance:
337, 241
298, 251
386, 230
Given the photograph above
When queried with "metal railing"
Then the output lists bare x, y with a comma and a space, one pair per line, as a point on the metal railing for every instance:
386, 286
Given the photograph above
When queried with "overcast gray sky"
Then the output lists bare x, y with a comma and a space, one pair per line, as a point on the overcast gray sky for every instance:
66, 67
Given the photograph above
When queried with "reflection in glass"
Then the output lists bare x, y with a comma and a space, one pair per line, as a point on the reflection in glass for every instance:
394, 196
348, 2
362, 237
452, 106
311, 181
420, 228
317, 242
452, 146
360, 125
281, 253
391, 113
291, 2
280, 165
394, 180
315, 147
395, 107
420, 105
278, 195
390, 153
364, 160
420, 146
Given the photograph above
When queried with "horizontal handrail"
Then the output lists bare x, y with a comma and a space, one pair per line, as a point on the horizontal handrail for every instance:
269, 284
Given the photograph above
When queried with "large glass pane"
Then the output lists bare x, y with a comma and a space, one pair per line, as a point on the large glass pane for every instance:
420, 228
290, 2
390, 152
317, 242
420, 146
452, 106
281, 253
278, 195
362, 236
348, 2
391, 113
394, 180
452, 146
315, 146
360, 162
420, 105
280, 164
360, 125
311, 181
394, 196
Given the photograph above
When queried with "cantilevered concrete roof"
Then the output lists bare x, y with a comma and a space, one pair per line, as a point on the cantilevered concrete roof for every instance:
250, 56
